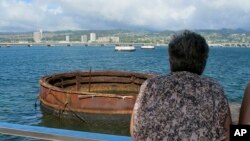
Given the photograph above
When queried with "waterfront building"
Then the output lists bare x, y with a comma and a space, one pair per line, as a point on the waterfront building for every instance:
37, 36
84, 38
92, 37
115, 39
41, 33
103, 40
67, 38
108, 40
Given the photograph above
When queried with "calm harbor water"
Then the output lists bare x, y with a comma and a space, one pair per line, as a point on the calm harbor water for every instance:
22, 67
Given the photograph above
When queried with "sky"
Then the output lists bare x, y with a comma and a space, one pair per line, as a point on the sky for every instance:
153, 15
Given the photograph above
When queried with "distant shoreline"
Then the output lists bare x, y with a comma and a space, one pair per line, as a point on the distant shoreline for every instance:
50, 44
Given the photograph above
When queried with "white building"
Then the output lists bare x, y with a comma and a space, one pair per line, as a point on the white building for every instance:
108, 40
92, 37
114, 39
103, 40
41, 32
37, 36
67, 38
84, 38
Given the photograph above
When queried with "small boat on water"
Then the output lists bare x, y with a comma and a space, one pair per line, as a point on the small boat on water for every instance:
50, 45
69, 45
29, 45
93, 95
124, 48
147, 47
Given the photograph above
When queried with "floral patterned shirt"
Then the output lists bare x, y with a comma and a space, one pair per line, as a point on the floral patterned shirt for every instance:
180, 106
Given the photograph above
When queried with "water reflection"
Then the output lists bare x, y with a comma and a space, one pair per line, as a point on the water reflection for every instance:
115, 127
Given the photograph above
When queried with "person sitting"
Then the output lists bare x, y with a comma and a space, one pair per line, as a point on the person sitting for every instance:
183, 105
245, 107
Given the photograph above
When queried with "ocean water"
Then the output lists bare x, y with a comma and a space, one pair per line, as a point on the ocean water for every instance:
22, 67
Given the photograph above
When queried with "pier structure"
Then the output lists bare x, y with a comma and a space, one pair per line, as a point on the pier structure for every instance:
242, 45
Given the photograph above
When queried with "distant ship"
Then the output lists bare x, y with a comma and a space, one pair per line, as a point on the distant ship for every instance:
50, 45
147, 47
124, 48
29, 45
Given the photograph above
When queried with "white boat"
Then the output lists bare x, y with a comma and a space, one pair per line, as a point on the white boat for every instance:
50, 45
148, 47
124, 48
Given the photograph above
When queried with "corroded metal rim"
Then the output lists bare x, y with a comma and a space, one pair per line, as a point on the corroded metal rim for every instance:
54, 92
44, 81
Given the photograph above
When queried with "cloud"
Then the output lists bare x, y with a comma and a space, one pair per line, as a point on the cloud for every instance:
30, 15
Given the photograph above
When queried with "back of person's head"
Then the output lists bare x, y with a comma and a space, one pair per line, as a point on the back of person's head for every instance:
188, 51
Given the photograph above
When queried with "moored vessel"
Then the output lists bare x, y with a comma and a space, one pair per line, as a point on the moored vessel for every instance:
50, 45
124, 48
147, 47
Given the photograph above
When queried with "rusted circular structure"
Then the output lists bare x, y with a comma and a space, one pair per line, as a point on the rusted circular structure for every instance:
91, 94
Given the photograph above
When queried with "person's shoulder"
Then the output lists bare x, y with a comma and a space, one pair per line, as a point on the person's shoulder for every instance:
158, 78
212, 83
154, 82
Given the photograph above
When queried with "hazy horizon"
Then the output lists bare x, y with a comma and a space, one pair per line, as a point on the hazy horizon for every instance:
129, 30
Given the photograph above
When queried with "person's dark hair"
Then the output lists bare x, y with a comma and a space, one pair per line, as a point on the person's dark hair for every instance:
188, 51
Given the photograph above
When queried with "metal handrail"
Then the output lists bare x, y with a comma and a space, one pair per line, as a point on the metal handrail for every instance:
56, 134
